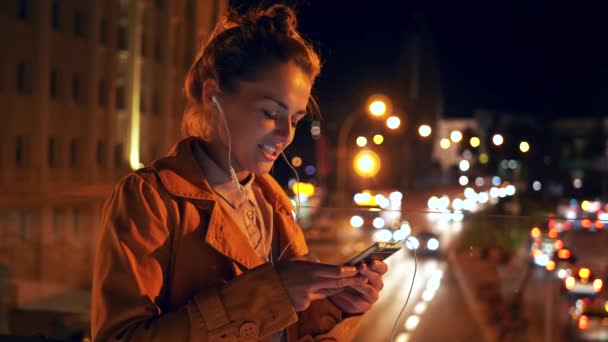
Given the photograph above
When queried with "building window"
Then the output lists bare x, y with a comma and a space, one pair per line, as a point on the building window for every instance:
76, 95
121, 41
23, 225
102, 93
23, 84
118, 155
103, 31
100, 153
51, 157
22, 9
120, 98
53, 83
78, 26
142, 103
73, 153
20, 151
55, 15
155, 104
157, 50
76, 222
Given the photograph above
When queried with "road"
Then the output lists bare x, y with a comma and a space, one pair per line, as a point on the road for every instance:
436, 310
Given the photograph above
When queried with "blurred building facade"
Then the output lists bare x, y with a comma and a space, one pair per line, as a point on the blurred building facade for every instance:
90, 90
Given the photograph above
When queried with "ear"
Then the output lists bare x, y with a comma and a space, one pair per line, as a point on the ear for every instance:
210, 88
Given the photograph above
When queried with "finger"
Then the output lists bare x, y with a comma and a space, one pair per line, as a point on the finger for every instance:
352, 302
333, 271
379, 266
325, 283
367, 292
322, 293
375, 279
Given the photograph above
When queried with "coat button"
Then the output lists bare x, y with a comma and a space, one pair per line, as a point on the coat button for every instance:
249, 330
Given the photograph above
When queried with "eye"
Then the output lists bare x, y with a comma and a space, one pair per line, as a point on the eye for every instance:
270, 115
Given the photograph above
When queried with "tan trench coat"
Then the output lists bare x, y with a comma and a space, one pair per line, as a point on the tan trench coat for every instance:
172, 266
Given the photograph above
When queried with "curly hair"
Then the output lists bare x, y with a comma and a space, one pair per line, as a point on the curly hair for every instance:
240, 47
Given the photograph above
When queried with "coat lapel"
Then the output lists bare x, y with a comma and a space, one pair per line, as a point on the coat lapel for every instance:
228, 239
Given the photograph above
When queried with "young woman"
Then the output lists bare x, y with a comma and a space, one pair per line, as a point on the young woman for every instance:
202, 245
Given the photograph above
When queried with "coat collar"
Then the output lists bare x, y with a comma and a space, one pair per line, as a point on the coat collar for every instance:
181, 176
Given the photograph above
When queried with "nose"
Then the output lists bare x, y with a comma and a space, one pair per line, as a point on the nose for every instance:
285, 130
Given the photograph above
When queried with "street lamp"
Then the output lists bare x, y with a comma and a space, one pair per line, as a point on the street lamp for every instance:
366, 163
393, 122
377, 108
378, 139
475, 142
524, 146
497, 139
378, 105
456, 136
424, 130
445, 143
361, 141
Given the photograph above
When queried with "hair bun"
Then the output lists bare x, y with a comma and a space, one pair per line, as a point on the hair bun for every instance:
281, 17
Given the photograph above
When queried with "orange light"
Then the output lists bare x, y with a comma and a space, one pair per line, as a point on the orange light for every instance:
564, 254
570, 283
586, 223
553, 233
597, 285
584, 273
559, 244
535, 233
599, 224
583, 322
550, 265
536, 253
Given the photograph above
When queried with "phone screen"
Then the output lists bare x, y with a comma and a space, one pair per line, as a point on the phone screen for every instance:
377, 251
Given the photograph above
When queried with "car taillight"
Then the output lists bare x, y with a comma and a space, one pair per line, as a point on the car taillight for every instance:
563, 254
597, 285
550, 265
559, 244
599, 224
535, 233
583, 322
553, 233
570, 283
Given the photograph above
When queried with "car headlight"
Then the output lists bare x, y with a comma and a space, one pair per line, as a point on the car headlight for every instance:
412, 243
432, 244
356, 221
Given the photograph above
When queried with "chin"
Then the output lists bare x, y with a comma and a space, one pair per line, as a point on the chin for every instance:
262, 168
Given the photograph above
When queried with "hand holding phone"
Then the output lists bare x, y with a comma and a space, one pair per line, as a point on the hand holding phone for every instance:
377, 251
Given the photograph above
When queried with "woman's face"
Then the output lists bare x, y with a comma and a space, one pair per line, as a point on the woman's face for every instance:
262, 115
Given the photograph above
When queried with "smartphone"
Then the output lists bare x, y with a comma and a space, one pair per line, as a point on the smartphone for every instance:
377, 251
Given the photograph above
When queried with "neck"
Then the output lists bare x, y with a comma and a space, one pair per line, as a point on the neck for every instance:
219, 153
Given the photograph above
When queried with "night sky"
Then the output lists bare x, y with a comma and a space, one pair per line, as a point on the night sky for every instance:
541, 58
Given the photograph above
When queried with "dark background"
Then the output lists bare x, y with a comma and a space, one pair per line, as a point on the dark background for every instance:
546, 58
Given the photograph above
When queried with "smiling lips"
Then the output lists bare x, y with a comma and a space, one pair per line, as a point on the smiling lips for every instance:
270, 152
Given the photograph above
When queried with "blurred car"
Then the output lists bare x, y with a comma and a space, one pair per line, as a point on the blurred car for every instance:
425, 244
562, 263
583, 283
368, 217
542, 249
589, 320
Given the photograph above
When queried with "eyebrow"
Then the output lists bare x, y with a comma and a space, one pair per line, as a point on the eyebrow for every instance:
281, 104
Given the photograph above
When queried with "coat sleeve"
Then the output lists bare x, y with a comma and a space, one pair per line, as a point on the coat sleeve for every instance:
322, 320
130, 288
